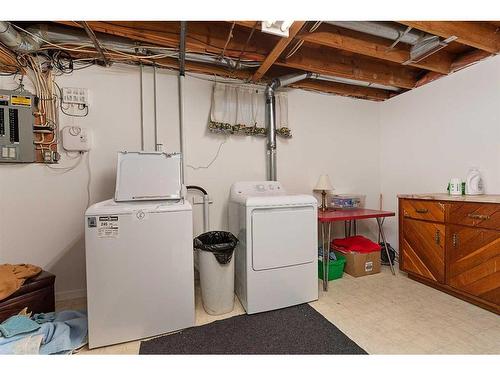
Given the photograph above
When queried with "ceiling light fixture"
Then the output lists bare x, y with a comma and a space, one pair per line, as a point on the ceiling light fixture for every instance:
279, 28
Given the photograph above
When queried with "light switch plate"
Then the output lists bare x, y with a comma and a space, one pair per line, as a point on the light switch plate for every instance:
75, 138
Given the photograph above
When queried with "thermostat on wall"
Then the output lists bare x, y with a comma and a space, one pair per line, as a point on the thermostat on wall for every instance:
75, 138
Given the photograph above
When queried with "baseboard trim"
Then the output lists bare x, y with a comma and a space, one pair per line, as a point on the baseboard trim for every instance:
70, 294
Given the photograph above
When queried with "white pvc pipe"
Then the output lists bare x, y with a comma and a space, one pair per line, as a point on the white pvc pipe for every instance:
206, 216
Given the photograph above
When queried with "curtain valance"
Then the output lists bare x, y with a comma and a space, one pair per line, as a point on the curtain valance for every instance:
240, 109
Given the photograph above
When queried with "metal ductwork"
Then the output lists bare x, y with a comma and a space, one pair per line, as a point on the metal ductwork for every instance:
383, 30
422, 44
271, 117
26, 43
15, 41
349, 81
426, 47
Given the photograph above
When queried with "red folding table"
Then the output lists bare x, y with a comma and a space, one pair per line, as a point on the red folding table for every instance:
326, 218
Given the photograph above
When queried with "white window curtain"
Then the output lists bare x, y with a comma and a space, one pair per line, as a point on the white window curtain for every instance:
240, 109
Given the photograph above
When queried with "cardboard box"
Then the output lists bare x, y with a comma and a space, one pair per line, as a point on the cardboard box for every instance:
362, 264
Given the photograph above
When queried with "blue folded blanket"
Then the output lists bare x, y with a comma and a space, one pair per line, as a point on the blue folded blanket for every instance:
16, 325
44, 317
61, 333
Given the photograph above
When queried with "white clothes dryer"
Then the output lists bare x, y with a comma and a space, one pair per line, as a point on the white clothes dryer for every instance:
276, 257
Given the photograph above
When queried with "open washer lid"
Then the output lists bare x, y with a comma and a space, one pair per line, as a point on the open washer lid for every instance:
146, 176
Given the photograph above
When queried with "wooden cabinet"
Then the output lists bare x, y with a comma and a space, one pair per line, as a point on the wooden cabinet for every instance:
453, 246
423, 249
474, 262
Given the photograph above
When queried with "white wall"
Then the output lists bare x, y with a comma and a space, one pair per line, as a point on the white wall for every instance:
41, 216
439, 131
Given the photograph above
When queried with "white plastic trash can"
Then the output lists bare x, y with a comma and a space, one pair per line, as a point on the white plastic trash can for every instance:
216, 267
217, 284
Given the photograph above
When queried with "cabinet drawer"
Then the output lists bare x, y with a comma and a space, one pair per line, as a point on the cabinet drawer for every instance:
422, 209
476, 214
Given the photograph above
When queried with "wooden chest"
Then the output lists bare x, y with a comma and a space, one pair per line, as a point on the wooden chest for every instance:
37, 294
453, 244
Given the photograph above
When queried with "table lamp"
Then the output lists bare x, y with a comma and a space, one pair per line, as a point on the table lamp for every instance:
323, 185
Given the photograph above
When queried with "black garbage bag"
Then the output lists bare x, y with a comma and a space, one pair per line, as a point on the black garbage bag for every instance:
220, 243
383, 254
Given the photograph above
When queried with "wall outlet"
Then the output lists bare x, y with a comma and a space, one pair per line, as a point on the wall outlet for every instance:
75, 138
50, 156
74, 95
47, 156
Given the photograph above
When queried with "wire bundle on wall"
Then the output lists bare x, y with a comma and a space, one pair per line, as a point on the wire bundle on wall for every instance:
42, 77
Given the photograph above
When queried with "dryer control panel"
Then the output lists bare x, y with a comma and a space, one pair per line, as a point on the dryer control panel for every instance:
267, 188
244, 189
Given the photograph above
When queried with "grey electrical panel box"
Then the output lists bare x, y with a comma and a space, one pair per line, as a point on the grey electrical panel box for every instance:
16, 127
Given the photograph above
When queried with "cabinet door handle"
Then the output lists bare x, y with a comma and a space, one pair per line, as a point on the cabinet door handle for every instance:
421, 210
454, 240
478, 216
437, 237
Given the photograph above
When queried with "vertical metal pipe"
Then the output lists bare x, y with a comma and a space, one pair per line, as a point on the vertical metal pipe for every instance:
155, 109
182, 57
271, 118
142, 108
182, 145
271, 134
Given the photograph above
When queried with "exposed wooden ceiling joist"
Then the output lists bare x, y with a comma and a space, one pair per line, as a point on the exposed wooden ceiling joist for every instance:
202, 37
481, 35
364, 44
333, 63
8, 61
278, 50
344, 89
460, 62
329, 50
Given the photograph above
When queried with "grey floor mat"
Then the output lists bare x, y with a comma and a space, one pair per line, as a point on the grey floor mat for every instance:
293, 330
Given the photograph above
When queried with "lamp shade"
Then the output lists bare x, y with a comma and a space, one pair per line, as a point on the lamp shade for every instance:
324, 183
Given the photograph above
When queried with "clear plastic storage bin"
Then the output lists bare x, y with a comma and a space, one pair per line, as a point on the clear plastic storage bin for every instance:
347, 201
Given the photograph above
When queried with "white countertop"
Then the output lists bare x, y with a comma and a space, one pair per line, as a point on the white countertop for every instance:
485, 198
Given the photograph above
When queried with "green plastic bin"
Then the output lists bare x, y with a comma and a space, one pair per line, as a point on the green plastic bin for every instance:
335, 268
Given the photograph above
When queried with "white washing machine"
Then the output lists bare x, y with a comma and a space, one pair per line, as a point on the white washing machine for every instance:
139, 253
276, 257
